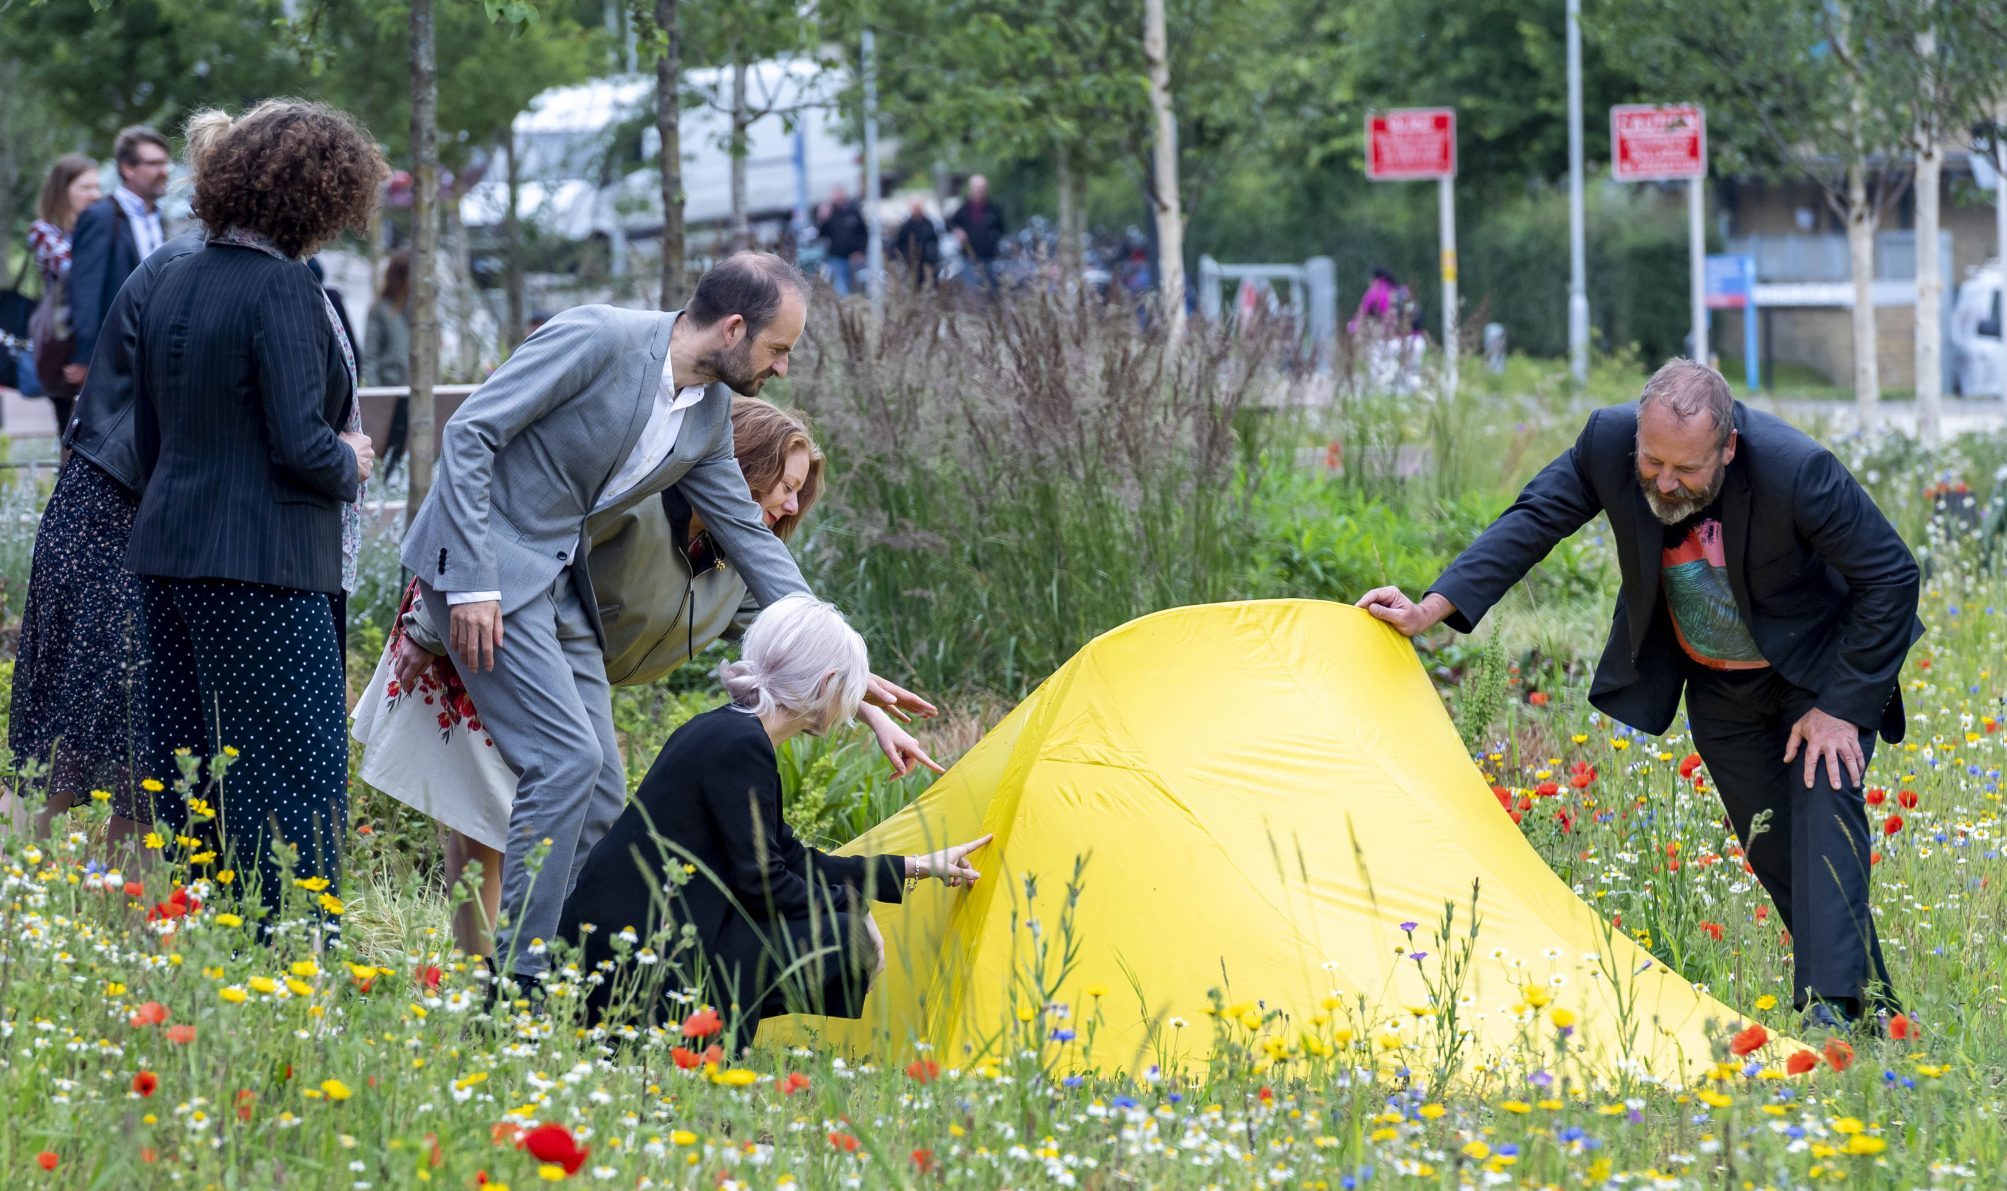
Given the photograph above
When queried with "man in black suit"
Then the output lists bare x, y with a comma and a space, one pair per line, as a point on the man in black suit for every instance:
1761, 579
114, 234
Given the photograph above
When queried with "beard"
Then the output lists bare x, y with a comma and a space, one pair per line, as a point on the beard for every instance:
734, 369
1671, 510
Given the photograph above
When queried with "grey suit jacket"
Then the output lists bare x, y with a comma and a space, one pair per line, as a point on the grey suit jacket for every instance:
527, 456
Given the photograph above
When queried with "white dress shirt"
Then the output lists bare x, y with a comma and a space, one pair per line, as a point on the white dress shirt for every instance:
658, 438
143, 219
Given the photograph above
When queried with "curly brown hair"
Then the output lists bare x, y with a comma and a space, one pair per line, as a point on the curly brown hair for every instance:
296, 172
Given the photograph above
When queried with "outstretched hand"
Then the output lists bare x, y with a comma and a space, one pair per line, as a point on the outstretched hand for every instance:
896, 743
951, 865
1830, 739
897, 699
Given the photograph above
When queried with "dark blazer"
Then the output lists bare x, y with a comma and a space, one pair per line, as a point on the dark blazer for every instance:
240, 391
1824, 582
713, 799
101, 430
103, 253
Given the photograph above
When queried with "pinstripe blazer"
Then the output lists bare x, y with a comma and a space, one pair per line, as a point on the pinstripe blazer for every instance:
240, 388
528, 455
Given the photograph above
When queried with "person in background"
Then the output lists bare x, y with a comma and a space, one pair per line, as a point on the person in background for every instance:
979, 225
251, 464
386, 353
68, 191
919, 244
79, 661
778, 927
845, 238
115, 233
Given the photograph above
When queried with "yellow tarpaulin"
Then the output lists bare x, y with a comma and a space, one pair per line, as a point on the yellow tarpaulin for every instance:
1258, 796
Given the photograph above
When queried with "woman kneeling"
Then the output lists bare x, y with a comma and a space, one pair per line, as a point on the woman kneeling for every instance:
776, 927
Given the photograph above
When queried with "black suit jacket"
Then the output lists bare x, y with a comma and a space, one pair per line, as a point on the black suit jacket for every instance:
103, 254
240, 391
713, 799
1824, 582
101, 430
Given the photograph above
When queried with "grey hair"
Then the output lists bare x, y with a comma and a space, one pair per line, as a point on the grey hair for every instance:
1688, 390
802, 658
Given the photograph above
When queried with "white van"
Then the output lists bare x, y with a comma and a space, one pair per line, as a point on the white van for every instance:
1975, 335
588, 153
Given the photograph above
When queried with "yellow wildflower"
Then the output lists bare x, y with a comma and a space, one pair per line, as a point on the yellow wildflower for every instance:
233, 994
264, 985
335, 1089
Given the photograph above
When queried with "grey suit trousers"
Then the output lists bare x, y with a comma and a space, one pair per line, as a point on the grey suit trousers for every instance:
548, 708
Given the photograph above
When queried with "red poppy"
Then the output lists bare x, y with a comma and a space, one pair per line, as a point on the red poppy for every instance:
690, 1060
151, 1013
843, 1141
1547, 789
179, 903
47, 1160
1525, 803
1762, 913
1517, 817
1503, 795
924, 1070
429, 977
1800, 1063
134, 889
1712, 930
1581, 780
1892, 824
145, 1082
1583, 769
1874, 857
1537, 698
923, 1161
1838, 1053
1876, 796
1751, 1039
245, 1099
149, 1155
792, 1082
1565, 821
554, 1143
181, 1035
1901, 1028
1687, 767
702, 1024
1907, 799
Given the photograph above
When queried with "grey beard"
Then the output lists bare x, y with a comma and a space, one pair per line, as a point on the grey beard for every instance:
1671, 510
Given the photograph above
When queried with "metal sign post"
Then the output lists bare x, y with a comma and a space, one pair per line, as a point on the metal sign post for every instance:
1409, 144
1665, 144
1731, 285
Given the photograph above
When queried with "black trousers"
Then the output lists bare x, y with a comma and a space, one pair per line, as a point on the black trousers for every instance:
1812, 854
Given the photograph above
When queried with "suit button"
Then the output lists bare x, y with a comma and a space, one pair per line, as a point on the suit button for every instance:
560, 556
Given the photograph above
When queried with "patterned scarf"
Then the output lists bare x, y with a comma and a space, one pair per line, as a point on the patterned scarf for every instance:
351, 512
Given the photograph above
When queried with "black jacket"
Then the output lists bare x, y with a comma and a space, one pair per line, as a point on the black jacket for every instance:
1824, 582
239, 393
103, 253
713, 799
101, 429
844, 231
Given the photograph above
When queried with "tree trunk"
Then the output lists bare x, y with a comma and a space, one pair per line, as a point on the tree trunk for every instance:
512, 249
742, 231
668, 123
1066, 184
424, 252
1861, 259
462, 259
1929, 276
1164, 175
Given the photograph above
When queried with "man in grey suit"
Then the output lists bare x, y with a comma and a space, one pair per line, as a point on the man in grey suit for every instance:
601, 409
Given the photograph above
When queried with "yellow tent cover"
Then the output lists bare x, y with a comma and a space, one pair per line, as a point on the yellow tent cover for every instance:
1240, 825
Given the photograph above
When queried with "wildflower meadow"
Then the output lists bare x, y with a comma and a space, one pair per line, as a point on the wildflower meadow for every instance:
152, 1036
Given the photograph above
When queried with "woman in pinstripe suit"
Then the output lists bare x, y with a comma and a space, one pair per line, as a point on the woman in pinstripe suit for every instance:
250, 467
